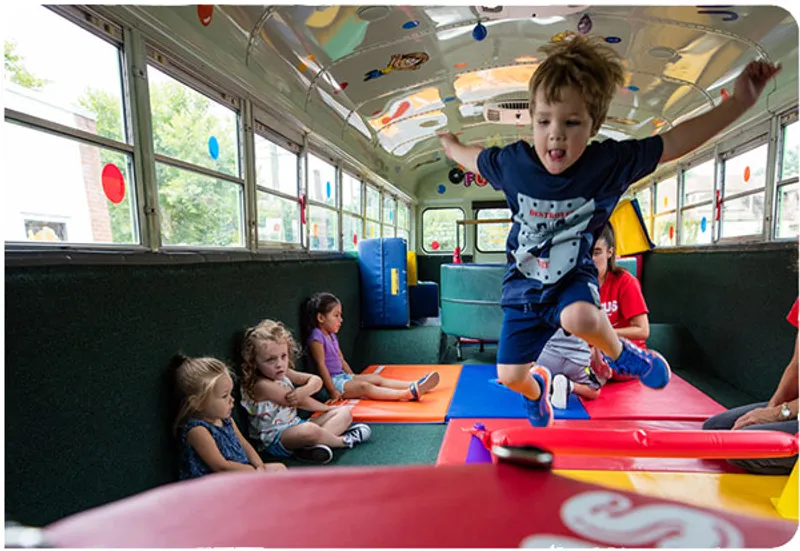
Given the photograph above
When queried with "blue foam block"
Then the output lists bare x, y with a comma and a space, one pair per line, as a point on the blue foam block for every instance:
423, 299
476, 397
384, 285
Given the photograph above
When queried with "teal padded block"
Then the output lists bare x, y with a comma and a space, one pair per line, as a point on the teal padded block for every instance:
471, 300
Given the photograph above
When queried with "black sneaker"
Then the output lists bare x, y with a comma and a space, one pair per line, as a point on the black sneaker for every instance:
319, 454
356, 434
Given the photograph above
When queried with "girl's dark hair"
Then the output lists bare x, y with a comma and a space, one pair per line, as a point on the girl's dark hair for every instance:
608, 236
320, 303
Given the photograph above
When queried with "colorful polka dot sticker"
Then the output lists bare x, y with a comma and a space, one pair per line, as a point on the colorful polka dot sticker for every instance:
724, 93
205, 13
666, 201
672, 232
342, 87
613, 39
213, 147
411, 24
747, 174
633, 88
448, 99
328, 190
703, 225
315, 230
435, 245
441, 189
302, 67
460, 65
355, 239
113, 183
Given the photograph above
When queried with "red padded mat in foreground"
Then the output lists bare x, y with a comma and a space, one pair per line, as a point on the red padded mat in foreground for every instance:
456, 442
425, 506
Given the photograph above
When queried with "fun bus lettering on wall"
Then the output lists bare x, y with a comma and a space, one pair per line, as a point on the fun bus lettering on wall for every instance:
457, 175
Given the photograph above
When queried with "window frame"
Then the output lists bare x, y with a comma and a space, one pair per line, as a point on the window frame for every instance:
422, 229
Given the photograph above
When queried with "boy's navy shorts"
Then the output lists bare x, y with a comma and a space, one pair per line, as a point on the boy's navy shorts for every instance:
528, 327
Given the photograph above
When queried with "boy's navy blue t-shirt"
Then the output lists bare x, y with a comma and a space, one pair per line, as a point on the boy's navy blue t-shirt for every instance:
557, 216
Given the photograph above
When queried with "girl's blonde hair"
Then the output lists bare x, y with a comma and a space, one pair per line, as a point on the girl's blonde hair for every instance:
586, 64
267, 330
194, 380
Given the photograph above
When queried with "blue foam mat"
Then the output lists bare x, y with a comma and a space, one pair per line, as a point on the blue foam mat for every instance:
476, 397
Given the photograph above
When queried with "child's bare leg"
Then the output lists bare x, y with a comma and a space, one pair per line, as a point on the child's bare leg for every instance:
585, 391
377, 380
335, 421
309, 434
588, 322
363, 389
517, 377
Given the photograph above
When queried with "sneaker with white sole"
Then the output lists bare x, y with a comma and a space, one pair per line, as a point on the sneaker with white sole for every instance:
562, 388
650, 367
356, 434
540, 412
320, 454
428, 382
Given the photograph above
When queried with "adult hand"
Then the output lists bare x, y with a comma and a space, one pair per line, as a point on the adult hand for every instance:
758, 416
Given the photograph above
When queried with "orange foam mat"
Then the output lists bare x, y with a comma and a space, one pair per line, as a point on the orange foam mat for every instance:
431, 409
748, 494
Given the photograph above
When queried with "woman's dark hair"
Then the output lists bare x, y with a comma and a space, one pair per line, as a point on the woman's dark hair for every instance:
607, 235
321, 303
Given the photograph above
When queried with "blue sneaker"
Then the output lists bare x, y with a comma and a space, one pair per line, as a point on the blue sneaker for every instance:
648, 366
540, 412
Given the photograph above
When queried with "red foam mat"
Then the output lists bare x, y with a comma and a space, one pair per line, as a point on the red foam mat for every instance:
461, 506
678, 401
456, 444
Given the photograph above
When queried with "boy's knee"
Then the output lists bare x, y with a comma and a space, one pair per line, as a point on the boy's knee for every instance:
582, 319
512, 375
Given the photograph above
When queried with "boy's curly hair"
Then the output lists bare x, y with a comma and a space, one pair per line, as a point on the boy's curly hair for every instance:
266, 330
586, 64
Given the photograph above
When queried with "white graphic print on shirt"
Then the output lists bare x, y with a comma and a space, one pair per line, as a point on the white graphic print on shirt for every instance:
550, 235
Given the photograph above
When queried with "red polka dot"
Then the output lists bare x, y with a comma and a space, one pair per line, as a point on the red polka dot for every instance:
435, 245
355, 239
671, 232
205, 13
113, 183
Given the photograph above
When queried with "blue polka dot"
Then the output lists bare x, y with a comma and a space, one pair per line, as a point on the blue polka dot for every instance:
213, 147
613, 39
703, 225
448, 99
633, 88
410, 25
441, 189
479, 32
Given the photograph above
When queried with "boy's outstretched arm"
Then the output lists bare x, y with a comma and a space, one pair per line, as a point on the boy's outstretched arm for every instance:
690, 135
465, 155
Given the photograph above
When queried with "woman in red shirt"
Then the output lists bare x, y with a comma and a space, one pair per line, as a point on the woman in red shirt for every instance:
621, 297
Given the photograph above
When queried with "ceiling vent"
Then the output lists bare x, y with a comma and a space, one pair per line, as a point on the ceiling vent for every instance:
514, 111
